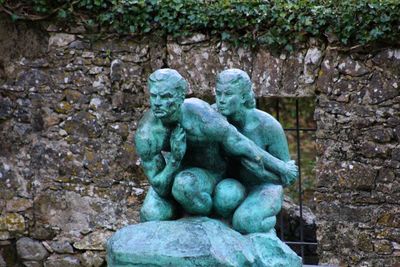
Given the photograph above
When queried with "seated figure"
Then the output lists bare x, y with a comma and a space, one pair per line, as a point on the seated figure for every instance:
181, 143
257, 213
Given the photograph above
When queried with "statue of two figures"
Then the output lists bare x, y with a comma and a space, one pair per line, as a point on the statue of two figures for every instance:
229, 162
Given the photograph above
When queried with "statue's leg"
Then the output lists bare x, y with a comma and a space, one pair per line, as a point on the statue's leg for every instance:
192, 188
156, 208
228, 194
258, 211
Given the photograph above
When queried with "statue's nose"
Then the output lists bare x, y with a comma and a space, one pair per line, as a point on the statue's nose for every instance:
157, 102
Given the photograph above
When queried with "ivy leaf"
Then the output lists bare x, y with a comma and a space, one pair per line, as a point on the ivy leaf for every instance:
376, 33
62, 14
14, 17
225, 36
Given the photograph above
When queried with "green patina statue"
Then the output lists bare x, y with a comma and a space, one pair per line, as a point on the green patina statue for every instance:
183, 143
228, 160
257, 213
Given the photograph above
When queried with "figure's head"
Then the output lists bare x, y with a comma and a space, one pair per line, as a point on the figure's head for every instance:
233, 92
167, 90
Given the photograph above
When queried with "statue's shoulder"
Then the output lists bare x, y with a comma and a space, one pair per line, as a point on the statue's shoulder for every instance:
265, 120
199, 112
194, 105
197, 107
144, 137
146, 122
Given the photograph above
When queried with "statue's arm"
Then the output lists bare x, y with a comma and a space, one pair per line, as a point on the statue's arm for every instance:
261, 173
276, 145
279, 148
238, 145
159, 172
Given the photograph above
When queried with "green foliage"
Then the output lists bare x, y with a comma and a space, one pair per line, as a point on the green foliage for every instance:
278, 23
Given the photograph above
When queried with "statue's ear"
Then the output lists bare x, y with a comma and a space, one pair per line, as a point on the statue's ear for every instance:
243, 99
182, 98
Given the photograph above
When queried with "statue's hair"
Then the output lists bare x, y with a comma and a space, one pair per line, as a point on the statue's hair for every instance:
241, 79
171, 76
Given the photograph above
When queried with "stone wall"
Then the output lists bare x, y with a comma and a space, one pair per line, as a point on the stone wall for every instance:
358, 121
70, 102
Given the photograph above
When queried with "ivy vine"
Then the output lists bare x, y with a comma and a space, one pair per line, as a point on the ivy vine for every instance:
278, 23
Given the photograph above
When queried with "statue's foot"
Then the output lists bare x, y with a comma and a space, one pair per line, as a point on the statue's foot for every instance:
156, 208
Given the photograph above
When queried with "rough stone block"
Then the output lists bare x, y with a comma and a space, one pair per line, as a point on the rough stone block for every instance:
196, 242
31, 250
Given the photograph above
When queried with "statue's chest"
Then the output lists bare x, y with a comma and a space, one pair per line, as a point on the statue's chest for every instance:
195, 135
255, 134
161, 138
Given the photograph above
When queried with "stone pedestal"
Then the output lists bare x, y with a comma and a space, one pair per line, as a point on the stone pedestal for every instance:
197, 241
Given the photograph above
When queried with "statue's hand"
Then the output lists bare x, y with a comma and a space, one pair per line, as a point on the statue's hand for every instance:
178, 143
291, 173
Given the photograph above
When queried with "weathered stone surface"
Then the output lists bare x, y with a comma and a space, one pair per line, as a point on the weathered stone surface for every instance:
61, 39
12, 222
32, 264
62, 247
356, 175
117, 71
291, 73
92, 259
2, 262
383, 247
31, 250
18, 204
351, 67
93, 241
312, 61
196, 242
267, 78
79, 216
62, 260
6, 108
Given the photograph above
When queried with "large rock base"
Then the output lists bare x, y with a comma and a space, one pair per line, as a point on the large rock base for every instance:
197, 241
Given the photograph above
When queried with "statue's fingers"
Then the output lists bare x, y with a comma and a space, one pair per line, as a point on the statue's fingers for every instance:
182, 135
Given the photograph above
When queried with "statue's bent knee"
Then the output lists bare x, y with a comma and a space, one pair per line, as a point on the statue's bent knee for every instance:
192, 188
228, 195
246, 223
257, 213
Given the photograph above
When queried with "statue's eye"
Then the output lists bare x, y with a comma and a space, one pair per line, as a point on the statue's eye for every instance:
166, 96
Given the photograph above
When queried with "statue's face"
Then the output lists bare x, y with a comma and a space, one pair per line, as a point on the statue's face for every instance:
229, 98
165, 100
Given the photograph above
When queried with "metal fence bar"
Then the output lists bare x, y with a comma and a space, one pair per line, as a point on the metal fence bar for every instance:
282, 234
300, 189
